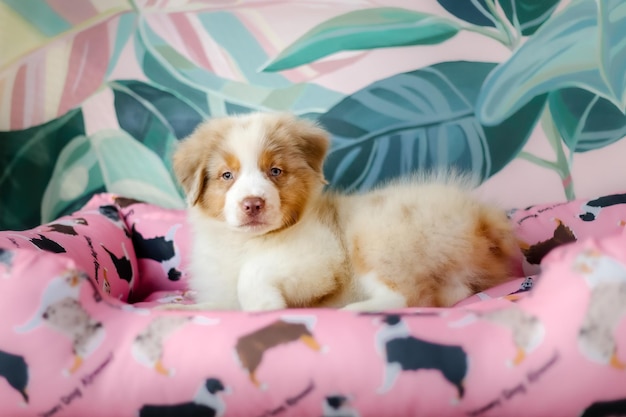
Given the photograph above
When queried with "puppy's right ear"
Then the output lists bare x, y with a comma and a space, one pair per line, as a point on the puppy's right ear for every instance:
189, 162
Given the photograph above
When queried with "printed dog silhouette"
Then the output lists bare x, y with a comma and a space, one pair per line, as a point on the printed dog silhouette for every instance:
67, 226
404, 352
591, 210
606, 278
536, 252
251, 348
206, 403
161, 249
14, 369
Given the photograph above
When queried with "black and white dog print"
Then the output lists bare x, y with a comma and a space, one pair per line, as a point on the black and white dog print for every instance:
14, 369
591, 210
404, 352
207, 403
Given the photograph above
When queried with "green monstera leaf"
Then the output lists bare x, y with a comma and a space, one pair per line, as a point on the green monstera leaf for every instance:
585, 120
111, 160
155, 116
525, 15
580, 47
27, 158
365, 29
528, 15
140, 105
421, 120
476, 12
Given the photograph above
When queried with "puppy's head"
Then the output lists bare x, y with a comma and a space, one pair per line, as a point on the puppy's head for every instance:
256, 172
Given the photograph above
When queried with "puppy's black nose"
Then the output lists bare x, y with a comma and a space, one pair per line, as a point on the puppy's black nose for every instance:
252, 205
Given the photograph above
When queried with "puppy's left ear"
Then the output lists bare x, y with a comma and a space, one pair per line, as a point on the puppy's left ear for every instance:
314, 143
188, 163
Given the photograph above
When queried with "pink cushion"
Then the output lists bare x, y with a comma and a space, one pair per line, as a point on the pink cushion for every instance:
68, 348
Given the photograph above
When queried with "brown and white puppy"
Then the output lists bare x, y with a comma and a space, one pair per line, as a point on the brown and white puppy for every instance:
266, 235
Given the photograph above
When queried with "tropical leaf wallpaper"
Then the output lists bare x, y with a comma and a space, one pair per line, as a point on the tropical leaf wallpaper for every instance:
94, 94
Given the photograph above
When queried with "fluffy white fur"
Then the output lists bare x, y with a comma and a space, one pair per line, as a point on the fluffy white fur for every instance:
266, 235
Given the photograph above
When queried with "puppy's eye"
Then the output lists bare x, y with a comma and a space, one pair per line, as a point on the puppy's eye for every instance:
227, 175
275, 172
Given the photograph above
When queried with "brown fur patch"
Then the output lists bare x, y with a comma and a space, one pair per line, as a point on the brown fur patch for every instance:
199, 161
377, 200
406, 212
358, 260
495, 248
214, 195
423, 293
311, 141
231, 163
301, 164
297, 147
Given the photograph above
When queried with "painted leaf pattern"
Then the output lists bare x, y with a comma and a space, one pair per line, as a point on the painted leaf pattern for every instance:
112, 160
365, 29
562, 54
26, 157
476, 12
528, 15
585, 120
58, 74
612, 25
420, 120
400, 88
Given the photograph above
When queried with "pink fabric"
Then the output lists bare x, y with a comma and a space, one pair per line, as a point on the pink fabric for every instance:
556, 351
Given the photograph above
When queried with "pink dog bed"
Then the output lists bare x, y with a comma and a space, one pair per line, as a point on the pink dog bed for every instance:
79, 335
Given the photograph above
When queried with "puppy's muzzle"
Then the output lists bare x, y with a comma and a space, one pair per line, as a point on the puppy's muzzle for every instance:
252, 206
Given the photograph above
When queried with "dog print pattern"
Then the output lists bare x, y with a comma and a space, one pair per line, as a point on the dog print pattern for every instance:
206, 403
404, 352
14, 369
487, 358
251, 348
536, 252
615, 408
527, 331
606, 278
591, 210
6, 260
70, 318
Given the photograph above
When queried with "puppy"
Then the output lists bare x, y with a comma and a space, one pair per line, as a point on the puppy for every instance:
266, 236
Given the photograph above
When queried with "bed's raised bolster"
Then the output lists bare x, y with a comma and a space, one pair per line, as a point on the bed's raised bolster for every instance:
71, 344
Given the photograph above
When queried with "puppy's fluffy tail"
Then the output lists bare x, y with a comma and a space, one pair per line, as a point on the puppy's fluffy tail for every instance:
466, 180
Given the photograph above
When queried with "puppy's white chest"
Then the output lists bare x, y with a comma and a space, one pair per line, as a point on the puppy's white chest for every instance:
215, 264
293, 268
